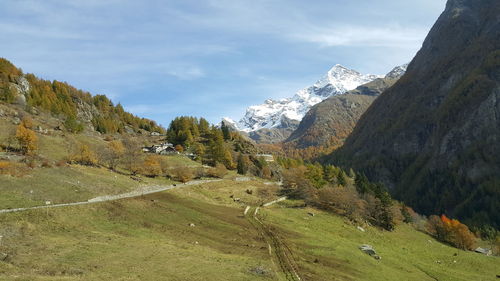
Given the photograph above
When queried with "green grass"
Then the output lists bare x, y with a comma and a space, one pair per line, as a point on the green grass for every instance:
65, 185
135, 239
149, 238
406, 253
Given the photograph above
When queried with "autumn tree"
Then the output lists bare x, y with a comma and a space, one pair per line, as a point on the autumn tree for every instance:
219, 171
266, 173
296, 184
218, 152
451, 231
84, 156
132, 155
114, 152
152, 166
182, 174
27, 139
179, 148
199, 150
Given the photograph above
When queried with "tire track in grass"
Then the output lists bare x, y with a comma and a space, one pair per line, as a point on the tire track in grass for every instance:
277, 247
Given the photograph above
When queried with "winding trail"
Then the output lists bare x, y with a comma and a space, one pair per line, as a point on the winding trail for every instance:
278, 249
135, 193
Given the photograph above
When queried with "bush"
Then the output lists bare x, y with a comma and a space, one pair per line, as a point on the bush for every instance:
73, 126
151, 166
342, 201
295, 183
451, 231
84, 156
12, 169
182, 174
219, 171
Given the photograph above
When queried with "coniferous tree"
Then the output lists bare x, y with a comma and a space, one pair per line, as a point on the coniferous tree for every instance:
242, 165
225, 131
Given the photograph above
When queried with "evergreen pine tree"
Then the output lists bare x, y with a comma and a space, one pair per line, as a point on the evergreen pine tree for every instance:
242, 165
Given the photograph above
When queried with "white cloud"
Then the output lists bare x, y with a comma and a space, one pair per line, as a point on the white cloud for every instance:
350, 35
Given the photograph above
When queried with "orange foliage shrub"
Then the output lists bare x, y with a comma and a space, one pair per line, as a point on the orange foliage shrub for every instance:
151, 166
182, 174
179, 148
451, 231
13, 169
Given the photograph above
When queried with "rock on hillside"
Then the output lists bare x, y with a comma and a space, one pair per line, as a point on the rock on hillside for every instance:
329, 122
433, 137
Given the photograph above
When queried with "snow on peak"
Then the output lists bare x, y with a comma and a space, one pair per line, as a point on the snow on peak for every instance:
397, 72
337, 81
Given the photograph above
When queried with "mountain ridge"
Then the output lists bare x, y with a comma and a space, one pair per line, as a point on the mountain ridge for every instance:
329, 122
338, 80
432, 137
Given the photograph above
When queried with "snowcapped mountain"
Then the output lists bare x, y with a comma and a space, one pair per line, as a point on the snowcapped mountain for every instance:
277, 113
397, 72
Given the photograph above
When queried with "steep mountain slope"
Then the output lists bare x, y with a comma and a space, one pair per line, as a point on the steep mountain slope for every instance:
329, 122
285, 114
433, 137
76, 109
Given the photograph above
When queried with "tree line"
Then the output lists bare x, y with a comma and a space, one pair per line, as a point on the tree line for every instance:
65, 101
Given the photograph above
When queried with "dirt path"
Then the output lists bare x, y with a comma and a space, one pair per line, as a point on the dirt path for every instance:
278, 249
135, 193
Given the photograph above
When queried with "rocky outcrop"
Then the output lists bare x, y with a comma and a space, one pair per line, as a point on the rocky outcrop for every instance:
20, 89
433, 137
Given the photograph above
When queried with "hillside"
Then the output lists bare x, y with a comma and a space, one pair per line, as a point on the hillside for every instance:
329, 122
433, 137
62, 145
193, 232
76, 109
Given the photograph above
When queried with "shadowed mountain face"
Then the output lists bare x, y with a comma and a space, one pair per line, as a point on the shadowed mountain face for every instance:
433, 137
329, 122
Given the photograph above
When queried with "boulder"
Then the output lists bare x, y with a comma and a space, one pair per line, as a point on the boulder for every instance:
368, 249
3, 256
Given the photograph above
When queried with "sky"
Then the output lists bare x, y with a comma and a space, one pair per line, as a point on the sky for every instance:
207, 58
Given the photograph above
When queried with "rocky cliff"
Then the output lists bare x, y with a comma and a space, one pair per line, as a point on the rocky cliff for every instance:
433, 137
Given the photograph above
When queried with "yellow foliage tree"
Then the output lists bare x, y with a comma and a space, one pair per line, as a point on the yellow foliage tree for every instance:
152, 166
116, 152
85, 156
27, 140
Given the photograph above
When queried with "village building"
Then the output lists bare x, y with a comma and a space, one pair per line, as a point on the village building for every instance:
267, 157
483, 251
163, 149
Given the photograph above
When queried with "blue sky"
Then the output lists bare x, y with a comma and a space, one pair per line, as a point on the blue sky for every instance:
210, 58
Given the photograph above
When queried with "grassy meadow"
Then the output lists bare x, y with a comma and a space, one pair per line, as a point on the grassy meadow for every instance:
150, 238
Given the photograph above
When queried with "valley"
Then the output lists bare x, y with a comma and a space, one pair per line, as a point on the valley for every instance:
356, 177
